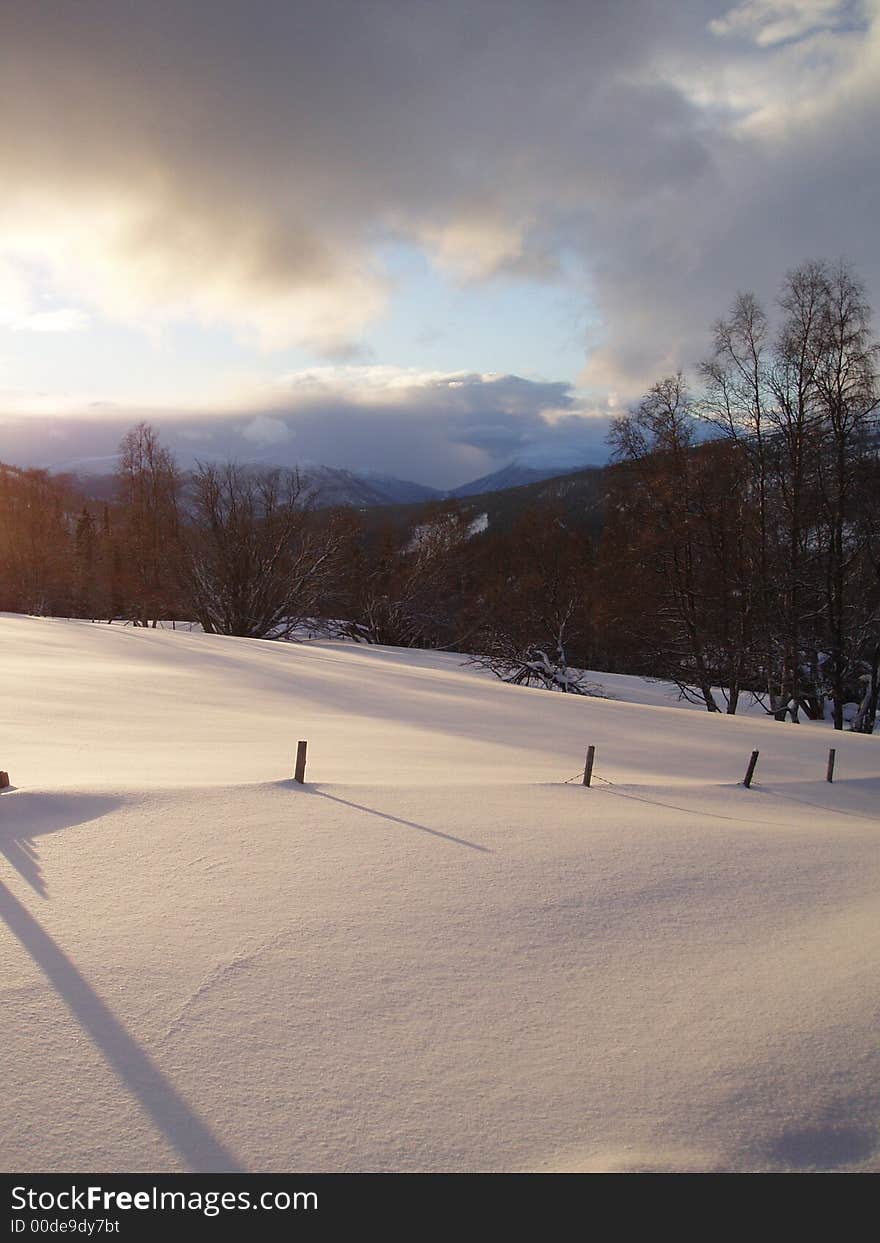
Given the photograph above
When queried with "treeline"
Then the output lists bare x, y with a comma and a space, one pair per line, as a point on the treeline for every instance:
248, 552
752, 561
738, 549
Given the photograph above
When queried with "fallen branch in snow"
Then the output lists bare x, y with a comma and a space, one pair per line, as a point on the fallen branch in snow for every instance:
534, 667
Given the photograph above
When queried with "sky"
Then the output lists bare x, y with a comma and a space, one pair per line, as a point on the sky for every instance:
407, 237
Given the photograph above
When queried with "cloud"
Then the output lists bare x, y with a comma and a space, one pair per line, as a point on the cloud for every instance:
21, 311
243, 166
440, 429
476, 244
266, 431
768, 22
63, 319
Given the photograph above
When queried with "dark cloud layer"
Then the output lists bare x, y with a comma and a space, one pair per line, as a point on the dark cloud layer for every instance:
440, 431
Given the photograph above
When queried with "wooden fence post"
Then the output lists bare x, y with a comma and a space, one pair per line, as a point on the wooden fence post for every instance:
829, 774
300, 774
750, 771
588, 767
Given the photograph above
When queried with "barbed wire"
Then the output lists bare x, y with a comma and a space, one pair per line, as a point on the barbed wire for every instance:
580, 776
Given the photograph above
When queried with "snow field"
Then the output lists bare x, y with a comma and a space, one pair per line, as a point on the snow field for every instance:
435, 955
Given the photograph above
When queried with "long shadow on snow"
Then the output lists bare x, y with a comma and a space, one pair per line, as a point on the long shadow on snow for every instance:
824, 1147
690, 811
188, 1134
384, 815
850, 782
756, 789
49, 813
25, 815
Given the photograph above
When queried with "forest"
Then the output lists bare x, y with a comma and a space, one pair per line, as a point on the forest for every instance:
731, 546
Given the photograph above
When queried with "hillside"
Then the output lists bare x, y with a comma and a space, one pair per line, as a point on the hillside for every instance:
436, 955
519, 473
579, 495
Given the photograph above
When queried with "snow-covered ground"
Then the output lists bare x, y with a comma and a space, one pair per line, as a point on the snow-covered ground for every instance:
435, 955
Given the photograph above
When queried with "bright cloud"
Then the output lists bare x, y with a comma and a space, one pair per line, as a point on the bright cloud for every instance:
63, 319
242, 170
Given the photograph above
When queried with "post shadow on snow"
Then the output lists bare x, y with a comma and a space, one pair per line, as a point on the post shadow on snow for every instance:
755, 789
21, 852
690, 811
836, 811
384, 815
25, 815
183, 1128
824, 1147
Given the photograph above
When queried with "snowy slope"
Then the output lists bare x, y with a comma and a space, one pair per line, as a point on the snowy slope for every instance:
436, 955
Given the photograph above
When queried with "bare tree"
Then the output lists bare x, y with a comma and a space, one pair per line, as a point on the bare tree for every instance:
257, 558
37, 520
800, 402
403, 588
656, 440
149, 492
847, 399
534, 607
867, 638
736, 400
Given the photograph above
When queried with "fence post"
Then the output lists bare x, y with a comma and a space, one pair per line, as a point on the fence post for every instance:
300, 774
829, 775
750, 771
4, 780
588, 767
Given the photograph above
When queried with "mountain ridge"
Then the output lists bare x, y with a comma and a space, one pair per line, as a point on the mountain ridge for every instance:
336, 485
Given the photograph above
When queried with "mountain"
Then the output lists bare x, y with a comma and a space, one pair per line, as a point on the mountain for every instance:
331, 486
516, 474
334, 486
398, 491
95, 487
579, 496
